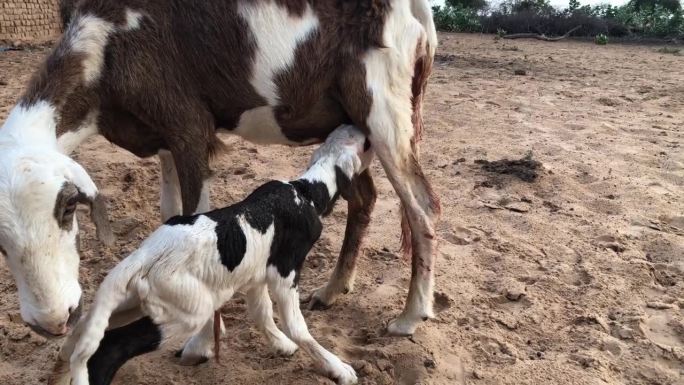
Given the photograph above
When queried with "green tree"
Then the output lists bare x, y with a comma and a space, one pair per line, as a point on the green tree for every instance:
651, 5
520, 6
470, 4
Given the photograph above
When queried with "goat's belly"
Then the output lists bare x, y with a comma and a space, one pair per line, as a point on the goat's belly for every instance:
289, 125
259, 125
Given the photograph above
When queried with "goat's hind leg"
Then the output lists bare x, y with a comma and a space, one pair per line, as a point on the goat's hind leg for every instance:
394, 127
361, 201
261, 311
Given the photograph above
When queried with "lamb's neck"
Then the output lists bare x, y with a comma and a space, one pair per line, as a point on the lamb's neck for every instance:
318, 184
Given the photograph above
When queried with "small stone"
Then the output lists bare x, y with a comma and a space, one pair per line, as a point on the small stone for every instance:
384, 365
518, 207
508, 322
477, 375
625, 333
514, 294
240, 171
430, 363
659, 305
363, 367
613, 346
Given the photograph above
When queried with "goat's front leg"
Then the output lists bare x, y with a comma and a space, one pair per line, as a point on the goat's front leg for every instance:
169, 189
287, 298
360, 206
200, 348
185, 184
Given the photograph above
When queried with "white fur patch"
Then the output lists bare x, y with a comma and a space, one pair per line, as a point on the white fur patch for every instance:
388, 77
89, 35
277, 35
260, 126
170, 193
69, 140
35, 124
133, 19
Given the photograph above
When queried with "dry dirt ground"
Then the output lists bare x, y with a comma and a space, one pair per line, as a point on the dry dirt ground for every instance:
575, 277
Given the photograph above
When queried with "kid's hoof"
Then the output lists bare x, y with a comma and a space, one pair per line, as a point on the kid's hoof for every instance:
190, 360
345, 375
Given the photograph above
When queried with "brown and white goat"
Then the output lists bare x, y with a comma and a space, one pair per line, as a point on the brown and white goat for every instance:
161, 78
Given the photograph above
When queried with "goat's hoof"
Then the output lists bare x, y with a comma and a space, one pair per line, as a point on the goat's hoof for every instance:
285, 348
344, 375
318, 305
403, 326
190, 360
321, 299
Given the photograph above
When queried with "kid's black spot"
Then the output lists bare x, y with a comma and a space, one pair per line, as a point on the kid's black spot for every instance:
182, 220
296, 227
231, 242
120, 345
343, 185
315, 192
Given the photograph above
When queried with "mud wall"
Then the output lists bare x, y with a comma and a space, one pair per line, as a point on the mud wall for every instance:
29, 20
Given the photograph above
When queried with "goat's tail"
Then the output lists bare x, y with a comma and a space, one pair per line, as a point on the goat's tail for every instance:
425, 54
66, 10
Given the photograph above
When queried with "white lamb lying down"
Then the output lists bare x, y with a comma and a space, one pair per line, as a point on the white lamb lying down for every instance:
192, 265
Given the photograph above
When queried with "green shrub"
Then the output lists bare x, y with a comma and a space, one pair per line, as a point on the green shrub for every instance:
601, 39
456, 19
649, 18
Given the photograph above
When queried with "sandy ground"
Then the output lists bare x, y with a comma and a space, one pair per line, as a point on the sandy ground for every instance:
573, 278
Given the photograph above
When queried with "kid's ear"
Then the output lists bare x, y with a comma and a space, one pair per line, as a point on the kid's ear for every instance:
343, 183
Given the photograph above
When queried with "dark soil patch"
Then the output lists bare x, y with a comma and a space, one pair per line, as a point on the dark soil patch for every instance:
524, 169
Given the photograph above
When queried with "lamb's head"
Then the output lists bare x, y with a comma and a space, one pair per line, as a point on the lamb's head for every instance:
39, 191
348, 150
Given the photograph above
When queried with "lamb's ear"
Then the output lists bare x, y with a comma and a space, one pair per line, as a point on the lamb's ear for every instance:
344, 183
98, 205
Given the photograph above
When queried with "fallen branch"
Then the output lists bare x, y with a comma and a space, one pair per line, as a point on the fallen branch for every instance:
540, 36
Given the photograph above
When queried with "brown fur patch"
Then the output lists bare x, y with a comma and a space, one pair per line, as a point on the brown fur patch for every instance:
360, 204
185, 72
65, 207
